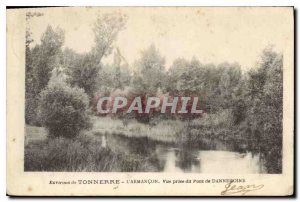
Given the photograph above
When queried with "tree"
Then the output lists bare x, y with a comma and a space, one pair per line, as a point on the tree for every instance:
229, 83
30, 97
30, 15
106, 30
63, 110
84, 72
122, 75
264, 101
150, 72
47, 57
40, 61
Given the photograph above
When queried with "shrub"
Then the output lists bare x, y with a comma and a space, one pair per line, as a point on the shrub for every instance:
63, 110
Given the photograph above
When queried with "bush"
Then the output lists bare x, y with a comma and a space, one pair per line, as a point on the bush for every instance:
63, 110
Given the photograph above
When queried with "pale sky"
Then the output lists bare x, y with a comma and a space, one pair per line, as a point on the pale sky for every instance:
213, 35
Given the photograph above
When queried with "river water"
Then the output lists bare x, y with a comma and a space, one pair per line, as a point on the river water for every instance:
205, 157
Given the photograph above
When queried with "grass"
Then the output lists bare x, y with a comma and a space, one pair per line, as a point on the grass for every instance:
172, 131
34, 134
82, 154
165, 131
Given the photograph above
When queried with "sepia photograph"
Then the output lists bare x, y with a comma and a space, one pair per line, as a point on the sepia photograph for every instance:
240, 126
181, 91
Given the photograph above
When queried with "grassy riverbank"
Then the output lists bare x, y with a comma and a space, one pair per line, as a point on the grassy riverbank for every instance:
86, 153
83, 154
209, 126
165, 131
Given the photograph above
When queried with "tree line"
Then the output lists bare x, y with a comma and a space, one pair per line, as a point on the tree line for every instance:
63, 86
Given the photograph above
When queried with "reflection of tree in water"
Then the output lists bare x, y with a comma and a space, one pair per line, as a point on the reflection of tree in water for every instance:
140, 151
187, 156
268, 149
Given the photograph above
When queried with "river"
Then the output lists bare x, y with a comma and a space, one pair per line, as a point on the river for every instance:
211, 156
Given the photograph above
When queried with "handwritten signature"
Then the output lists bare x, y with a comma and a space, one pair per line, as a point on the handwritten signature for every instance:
231, 189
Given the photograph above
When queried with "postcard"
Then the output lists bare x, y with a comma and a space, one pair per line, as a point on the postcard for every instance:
150, 101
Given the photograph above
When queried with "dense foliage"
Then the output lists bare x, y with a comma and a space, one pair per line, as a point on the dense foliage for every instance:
63, 110
250, 101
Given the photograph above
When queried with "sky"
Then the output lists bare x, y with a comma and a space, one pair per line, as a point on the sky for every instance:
212, 35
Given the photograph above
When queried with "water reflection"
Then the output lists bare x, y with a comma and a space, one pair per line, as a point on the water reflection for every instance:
178, 160
192, 157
